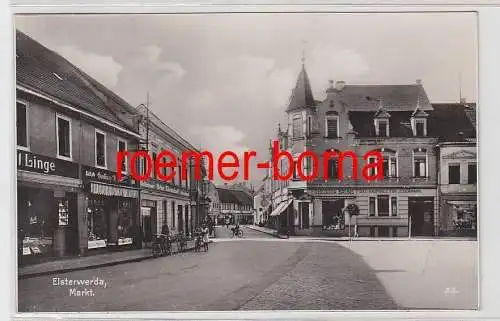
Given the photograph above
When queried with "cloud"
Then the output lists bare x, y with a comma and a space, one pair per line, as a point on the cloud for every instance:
103, 68
220, 138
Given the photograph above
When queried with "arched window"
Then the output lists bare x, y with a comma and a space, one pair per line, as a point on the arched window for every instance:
333, 164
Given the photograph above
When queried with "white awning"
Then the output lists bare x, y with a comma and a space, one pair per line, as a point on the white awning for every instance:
110, 190
281, 208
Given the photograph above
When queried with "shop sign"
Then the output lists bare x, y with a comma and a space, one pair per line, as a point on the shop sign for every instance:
354, 191
124, 241
32, 162
162, 186
96, 244
26, 251
110, 190
105, 176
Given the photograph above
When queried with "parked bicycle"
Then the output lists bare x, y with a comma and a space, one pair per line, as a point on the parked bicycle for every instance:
181, 242
161, 245
237, 232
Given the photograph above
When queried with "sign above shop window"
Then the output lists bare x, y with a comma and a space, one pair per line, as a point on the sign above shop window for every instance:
32, 162
105, 176
353, 191
110, 190
165, 187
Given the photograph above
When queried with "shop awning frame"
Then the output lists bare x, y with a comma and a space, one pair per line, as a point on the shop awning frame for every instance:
281, 208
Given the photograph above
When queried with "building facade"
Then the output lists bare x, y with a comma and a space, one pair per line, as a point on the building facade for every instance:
69, 128
235, 205
397, 121
170, 203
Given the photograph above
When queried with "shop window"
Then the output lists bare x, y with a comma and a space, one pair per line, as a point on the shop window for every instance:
383, 231
419, 163
372, 206
100, 149
63, 125
165, 220
297, 127
395, 231
97, 223
394, 206
454, 174
472, 173
332, 127
383, 205
173, 214
22, 124
372, 231
122, 147
304, 211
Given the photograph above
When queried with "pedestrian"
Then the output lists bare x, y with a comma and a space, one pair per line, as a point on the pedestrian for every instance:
204, 231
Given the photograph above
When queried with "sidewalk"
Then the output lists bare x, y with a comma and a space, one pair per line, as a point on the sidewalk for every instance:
345, 238
91, 261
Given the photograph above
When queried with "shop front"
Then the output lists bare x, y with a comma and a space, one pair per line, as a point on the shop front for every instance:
112, 208
383, 211
48, 191
458, 215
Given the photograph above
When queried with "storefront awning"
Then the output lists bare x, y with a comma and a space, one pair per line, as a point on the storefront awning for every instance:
110, 190
281, 208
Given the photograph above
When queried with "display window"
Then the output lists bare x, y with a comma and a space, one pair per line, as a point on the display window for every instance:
125, 229
36, 221
97, 222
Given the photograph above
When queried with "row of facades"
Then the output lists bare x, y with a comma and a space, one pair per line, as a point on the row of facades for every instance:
430, 164
69, 130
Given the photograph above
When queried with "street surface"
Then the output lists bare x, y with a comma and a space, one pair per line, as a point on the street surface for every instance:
259, 272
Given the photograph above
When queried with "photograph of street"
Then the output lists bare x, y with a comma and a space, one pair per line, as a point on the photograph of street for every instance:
246, 161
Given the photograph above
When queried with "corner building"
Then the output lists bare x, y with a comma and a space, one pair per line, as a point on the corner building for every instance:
397, 120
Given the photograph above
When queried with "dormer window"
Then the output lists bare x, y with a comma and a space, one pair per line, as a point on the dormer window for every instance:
297, 127
382, 127
381, 122
419, 123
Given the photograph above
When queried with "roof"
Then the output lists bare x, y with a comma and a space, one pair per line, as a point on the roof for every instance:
234, 196
42, 69
302, 96
448, 122
154, 119
393, 97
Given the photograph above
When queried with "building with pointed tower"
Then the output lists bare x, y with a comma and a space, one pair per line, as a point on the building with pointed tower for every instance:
396, 120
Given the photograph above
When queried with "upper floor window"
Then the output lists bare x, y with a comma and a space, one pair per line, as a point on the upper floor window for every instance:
22, 124
472, 173
100, 149
390, 164
420, 163
297, 127
382, 127
63, 128
419, 127
309, 126
372, 171
153, 158
122, 147
332, 127
383, 205
454, 174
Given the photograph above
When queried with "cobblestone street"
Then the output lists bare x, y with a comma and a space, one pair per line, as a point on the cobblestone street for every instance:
245, 274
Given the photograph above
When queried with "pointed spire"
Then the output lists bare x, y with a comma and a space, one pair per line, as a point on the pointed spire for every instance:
302, 96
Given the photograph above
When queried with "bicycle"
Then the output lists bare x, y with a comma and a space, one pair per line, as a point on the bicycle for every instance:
238, 233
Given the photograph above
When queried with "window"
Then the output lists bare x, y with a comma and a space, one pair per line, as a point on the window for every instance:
63, 125
165, 221
173, 214
472, 173
122, 147
382, 128
394, 206
100, 149
420, 128
22, 124
297, 127
153, 158
309, 126
383, 205
372, 171
390, 164
304, 209
333, 168
419, 163
454, 174
332, 127
383, 231
371, 208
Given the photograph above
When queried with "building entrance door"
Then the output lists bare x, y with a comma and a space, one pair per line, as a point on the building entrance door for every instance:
146, 224
421, 215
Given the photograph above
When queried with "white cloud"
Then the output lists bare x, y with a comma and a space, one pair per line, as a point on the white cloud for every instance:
220, 138
103, 68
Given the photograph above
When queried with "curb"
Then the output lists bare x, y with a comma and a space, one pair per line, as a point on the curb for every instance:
93, 266
268, 233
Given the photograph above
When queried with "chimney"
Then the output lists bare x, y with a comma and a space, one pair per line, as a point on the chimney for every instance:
418, 81
339, 85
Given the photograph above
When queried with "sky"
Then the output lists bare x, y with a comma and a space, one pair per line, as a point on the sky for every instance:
223, 81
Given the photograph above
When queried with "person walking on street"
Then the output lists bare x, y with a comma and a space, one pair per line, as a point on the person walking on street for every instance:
204, 231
